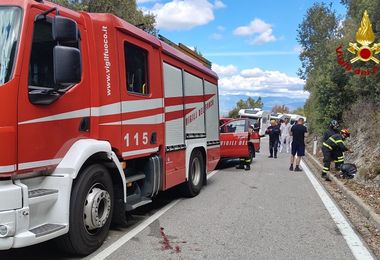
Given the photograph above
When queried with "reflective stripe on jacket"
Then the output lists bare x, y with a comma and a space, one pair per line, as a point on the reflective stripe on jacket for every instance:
335, 142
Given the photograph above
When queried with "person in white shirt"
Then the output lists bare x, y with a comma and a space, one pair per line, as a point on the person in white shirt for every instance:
285, 135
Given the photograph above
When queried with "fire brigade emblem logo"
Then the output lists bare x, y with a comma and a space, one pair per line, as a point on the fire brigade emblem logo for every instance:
364, 37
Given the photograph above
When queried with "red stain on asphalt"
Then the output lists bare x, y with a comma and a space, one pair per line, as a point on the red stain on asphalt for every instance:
166, 245
165, 240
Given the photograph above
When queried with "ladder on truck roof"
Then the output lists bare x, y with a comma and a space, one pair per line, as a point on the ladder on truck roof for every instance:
186, 50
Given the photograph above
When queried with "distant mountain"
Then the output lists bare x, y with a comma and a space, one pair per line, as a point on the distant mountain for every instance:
226, 103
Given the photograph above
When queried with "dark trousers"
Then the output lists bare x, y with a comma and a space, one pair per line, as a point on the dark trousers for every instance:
338, 158
327, 159
273, 146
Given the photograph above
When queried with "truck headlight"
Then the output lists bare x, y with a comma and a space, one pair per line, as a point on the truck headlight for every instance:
3, 231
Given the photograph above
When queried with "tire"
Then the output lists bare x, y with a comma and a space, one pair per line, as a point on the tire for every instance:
91, 208
193, 185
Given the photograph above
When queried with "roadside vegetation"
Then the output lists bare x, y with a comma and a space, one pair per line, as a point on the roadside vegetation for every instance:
339, 89
125, 9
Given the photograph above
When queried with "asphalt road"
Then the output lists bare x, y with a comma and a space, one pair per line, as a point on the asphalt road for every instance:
265, 213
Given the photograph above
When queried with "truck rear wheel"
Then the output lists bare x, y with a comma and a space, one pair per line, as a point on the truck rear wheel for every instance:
91, 207
194, 183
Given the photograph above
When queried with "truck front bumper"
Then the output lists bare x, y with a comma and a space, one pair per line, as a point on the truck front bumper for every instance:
12, 215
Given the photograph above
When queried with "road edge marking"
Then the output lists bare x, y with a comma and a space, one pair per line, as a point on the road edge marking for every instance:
358, 249
212, 174
136, 230
128, 236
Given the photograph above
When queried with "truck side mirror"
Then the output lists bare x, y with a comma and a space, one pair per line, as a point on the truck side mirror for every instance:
65, 29
67, 65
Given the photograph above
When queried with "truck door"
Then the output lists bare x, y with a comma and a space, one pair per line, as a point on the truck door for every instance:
141, 96
50, 116
234, 139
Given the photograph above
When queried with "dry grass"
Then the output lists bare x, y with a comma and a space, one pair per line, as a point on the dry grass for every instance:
363, 120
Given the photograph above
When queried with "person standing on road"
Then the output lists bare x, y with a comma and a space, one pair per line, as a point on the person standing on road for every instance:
274, 134
285, 135
332, 146
298, 133
280, 122
245, 163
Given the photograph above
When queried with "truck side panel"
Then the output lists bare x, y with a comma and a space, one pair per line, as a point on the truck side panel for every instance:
105, 88
212, 126
174, 126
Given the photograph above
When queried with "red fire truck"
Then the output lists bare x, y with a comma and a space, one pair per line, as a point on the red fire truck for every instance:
97, 117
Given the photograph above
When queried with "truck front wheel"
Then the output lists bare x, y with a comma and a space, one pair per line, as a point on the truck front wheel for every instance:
91, 206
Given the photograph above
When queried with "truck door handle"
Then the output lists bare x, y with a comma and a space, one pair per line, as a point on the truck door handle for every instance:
153, 138
84, 125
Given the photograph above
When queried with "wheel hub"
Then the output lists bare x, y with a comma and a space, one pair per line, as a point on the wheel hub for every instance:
97, 208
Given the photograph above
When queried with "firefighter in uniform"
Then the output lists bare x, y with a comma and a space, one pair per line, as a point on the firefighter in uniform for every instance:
332, 147
337, 155
245, 163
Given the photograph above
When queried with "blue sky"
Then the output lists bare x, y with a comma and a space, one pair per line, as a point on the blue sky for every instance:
252, 44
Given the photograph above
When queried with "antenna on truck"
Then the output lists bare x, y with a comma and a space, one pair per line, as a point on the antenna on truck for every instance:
44, 14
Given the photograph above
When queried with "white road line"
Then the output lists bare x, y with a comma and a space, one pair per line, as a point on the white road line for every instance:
124, 239
357, 247
211, 174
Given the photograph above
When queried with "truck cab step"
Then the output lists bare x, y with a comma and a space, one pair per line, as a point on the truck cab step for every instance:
41, 192
130, 207
135, 177
46, 229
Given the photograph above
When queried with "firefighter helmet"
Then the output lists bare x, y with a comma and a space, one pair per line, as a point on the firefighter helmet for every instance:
334, 124
345, 132
348, 170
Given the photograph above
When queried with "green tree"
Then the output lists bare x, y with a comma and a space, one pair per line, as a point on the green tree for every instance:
333, 91
319, 26
283, 109
299, 111
245, 104
319, 35
125, 9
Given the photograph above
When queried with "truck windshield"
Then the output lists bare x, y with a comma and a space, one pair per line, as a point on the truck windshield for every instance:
10, 22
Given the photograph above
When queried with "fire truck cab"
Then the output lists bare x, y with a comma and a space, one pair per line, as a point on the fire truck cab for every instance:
97, 117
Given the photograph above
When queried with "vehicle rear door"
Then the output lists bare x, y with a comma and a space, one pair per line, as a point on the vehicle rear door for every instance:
234, 139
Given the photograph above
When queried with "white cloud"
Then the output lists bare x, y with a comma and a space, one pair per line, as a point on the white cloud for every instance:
219, 4
264, 37
228, 70
258, 82
184, 14
260, 30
